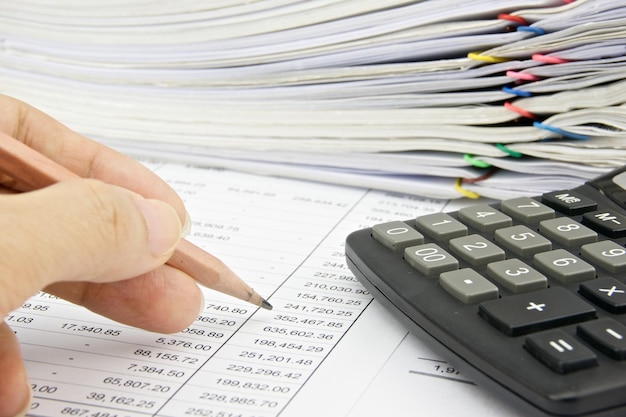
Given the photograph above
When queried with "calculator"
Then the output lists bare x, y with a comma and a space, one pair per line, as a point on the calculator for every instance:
531, 292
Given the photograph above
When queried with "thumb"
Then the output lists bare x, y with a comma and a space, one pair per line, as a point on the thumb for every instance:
80, 230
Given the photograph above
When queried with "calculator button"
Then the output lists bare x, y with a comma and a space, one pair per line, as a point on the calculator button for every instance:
607, 222
430, 259
534, 311
567, 232
440, 226
484, 218
563, 266
397, 235
526, 210
606, 254
607, 335
608, 293
468, 286
569, 202
560, 352
522, 241
516, 276
618, 196
476, 250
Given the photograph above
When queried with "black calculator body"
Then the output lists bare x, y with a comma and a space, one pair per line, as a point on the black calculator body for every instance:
529, 291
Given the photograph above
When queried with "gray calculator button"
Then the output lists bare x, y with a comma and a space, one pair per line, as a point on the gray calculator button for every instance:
606, 254
397, 235
440, 226
516, 276
563, 266
476, 250
468, 286
484, 218
522, 241
526, 210
567, 232
430, 259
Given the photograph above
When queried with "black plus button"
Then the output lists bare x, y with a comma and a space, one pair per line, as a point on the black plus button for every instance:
534, 311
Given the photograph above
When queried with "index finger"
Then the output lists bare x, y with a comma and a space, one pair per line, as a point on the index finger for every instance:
80, 155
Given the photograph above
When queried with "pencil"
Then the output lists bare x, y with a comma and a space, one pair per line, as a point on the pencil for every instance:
35, 171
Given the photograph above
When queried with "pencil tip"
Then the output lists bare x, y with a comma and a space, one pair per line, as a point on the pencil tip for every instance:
266, 305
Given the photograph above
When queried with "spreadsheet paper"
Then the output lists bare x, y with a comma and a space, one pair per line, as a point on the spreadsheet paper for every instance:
320, 351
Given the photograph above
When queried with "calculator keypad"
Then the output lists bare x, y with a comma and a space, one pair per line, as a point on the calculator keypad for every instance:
525, 247
530, 291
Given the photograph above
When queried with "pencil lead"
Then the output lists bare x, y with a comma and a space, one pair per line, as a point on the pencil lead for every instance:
266, 305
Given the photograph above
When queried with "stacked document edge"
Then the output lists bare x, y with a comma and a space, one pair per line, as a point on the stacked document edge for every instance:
491, 98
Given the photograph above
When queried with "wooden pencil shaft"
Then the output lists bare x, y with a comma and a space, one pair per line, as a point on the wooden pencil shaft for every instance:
33, 170
26, 165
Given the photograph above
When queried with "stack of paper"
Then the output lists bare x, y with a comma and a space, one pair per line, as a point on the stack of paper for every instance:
435, 97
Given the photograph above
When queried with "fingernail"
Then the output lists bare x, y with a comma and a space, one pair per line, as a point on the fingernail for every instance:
164, 228
202, 303
186, 226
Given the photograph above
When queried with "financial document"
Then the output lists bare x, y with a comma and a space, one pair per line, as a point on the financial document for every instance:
325, 349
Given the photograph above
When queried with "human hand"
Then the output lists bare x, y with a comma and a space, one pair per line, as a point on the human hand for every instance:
100, 242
